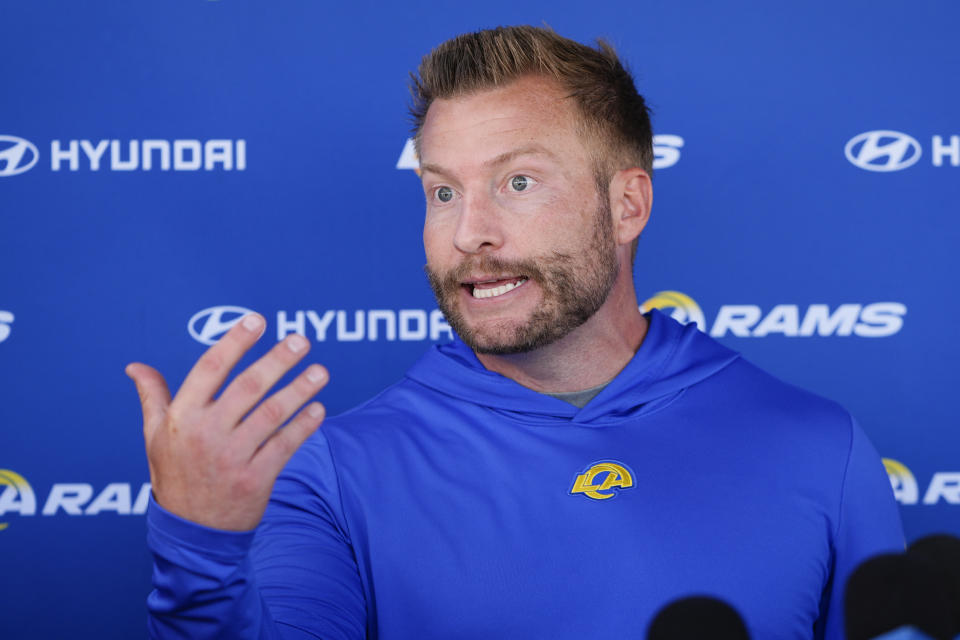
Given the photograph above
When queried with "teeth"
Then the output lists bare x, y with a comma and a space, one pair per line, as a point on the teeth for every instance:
497, 291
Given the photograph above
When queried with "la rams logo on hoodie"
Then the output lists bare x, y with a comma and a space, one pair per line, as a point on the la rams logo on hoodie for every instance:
616, 475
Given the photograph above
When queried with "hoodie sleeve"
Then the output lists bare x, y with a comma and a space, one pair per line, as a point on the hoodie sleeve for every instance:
294, 577
869, 524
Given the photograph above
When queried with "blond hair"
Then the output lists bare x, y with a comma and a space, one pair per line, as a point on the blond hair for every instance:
609, 107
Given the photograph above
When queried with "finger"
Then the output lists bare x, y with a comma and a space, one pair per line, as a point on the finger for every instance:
213, 367
275, 410
247, 389
278, 449
154, 394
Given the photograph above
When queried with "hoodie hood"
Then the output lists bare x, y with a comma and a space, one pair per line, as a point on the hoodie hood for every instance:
671, 358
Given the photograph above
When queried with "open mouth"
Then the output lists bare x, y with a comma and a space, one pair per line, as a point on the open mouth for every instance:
494, 288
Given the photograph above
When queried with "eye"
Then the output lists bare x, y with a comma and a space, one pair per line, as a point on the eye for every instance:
521, 183
444, 194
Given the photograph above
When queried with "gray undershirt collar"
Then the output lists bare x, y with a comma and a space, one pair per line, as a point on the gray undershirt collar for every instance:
579, 399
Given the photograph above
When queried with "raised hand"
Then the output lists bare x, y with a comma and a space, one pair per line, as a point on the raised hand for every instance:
215, 461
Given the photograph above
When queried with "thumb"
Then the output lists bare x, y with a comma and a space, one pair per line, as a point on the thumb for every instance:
153, 391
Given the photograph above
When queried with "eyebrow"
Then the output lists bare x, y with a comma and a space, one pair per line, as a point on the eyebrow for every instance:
503, 158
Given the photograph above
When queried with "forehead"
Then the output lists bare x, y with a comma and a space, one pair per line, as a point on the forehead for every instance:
483, 124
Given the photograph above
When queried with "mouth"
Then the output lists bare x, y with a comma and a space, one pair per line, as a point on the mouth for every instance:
493, 288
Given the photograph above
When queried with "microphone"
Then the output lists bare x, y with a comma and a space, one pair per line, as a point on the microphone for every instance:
697, 618
891, 591
943, 552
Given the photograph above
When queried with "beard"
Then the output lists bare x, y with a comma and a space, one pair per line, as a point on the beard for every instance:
574, 287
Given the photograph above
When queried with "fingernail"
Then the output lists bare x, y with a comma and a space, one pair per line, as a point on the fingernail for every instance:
315, 410
252, 322
296, 343
315, 375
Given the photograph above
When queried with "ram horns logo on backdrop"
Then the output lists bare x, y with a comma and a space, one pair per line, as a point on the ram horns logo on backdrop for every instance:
16, 494
16, 155
682, 307
944, 486
71, 498
872, 320
209, 325
883, 150
904, 485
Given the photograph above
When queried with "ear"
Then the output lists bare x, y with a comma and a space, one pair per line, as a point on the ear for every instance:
631, 196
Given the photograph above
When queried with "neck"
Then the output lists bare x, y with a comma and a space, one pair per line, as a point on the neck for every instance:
590, 355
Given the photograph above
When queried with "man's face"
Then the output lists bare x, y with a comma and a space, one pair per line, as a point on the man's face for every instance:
519, 243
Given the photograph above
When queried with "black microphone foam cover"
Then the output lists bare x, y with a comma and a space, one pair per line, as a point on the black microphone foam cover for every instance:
698, 618
942, 551
891, 591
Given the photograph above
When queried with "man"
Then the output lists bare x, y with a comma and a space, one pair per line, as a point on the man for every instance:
567, 468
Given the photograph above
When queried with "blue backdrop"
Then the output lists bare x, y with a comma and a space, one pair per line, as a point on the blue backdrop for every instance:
165, 165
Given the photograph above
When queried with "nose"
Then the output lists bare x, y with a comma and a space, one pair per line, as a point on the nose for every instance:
479, 227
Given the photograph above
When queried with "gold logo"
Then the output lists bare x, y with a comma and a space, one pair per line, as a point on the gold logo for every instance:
15, 495
685, 308
904, 485
617, 476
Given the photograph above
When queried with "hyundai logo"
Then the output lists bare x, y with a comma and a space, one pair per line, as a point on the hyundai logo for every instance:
882, 150
16, 155
209, 325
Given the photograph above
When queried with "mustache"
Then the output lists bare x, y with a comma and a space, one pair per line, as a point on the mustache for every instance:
452, 278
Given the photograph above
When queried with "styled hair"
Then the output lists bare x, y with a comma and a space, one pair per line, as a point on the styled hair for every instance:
610, 109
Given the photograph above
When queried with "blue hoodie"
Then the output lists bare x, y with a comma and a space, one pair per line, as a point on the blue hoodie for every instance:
459, 504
